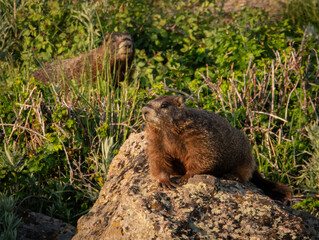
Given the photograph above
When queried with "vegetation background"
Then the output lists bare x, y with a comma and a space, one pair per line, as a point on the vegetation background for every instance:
258, 71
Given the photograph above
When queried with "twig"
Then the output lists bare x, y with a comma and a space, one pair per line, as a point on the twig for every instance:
288, 100
24, 128
24, 104
64, 133
263, 130
215, 89
181, 92
272, 87
314, 108
236, 90
271, 115
273, 165
125, 125
26, 198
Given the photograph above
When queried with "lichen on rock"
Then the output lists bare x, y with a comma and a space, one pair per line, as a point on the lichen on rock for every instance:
131, 205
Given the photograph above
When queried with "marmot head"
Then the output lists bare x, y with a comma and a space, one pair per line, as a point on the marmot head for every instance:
164, 112
120, 45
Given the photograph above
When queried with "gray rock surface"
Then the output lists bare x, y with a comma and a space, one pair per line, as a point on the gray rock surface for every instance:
37, 226
131, 205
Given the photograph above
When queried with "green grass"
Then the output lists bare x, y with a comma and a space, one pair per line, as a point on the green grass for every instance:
304, 13
56, 146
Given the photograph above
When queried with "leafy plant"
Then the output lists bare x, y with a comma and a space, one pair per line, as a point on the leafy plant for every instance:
107, 154
310, 204
9, 221
12, 160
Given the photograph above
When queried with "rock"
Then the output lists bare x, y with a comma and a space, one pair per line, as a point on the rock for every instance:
131, 205
38, 226
273, 7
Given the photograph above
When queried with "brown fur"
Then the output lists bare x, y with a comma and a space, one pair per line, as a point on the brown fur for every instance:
185, 141
116, 55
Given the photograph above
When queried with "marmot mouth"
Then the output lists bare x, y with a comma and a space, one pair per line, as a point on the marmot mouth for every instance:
123, 56
125, 53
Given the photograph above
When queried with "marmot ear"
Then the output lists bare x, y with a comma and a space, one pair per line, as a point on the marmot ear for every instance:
179, 101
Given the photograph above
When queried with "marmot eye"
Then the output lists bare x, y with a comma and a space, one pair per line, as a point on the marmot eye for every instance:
164, 105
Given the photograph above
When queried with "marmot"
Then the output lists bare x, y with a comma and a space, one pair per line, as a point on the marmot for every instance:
116, 55
186, 141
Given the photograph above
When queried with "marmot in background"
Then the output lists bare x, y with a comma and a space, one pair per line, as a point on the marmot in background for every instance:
185, 141
116, 55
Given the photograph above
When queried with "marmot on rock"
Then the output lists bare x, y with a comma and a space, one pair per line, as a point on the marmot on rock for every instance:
116, 55
185, 141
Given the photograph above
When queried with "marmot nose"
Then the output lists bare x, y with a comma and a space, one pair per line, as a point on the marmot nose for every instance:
128, 45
